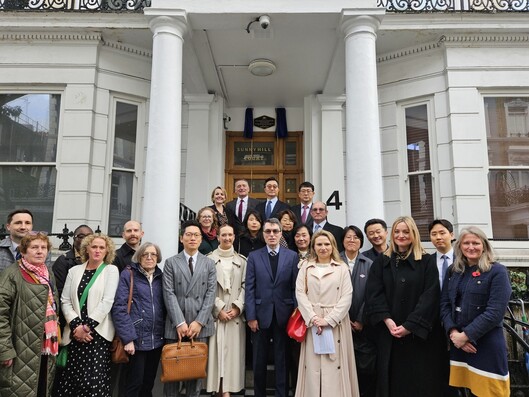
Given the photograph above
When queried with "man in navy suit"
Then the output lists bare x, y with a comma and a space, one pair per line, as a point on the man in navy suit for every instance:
302, 210
272, 206
269, 301
241, 204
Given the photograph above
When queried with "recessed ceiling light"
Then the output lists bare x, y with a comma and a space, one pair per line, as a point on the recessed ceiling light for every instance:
262, 67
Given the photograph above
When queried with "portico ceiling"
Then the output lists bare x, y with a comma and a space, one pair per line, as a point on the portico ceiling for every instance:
303, 40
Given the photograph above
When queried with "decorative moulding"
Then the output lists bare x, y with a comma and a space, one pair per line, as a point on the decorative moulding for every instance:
464, 40
42, 36
128, 48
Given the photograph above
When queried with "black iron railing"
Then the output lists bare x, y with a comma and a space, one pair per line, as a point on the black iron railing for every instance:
489, 6
74, 5
186, 214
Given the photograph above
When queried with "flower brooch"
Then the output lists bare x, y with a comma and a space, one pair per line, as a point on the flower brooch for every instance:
476, 273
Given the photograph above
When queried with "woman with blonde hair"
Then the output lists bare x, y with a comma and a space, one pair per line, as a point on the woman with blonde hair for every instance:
475, 295
227, 346
225, 216
324, 292
402, 304
87, 299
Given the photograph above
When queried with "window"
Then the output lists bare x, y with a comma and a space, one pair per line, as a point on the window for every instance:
29, 125
123, 166
507, 120
419, 170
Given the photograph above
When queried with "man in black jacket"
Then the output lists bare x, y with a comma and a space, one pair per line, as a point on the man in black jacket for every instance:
66, 261
132, 234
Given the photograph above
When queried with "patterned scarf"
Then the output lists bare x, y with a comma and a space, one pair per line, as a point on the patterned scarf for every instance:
211, 235
39, 273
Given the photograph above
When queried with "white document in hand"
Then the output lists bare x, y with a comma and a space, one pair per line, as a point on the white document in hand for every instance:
323, 343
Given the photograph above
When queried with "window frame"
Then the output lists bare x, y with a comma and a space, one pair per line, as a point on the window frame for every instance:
49, 90
520, 93
402, 144
139, 158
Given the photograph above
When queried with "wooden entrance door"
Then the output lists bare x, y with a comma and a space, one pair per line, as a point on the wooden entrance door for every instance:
264, 156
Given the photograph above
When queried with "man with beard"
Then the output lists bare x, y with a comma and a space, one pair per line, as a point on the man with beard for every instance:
132, 233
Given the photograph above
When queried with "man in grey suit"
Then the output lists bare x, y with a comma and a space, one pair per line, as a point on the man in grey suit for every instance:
241, 204
189, 282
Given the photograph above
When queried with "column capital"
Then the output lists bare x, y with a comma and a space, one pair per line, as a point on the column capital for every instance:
331, 102
199, 101
361, 20
175, 23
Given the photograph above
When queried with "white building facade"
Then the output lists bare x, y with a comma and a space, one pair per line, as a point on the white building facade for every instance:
115, 115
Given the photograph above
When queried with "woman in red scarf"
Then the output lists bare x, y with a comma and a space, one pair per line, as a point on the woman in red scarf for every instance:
29, 333
208, 226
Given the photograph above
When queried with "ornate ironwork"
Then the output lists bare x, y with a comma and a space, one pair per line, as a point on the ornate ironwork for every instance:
74, 5
454, 5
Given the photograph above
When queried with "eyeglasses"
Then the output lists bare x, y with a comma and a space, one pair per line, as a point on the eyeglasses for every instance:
271, 231
80, 236
35, 232
149, 254
271, 186
306, 191
206, 217
318, 209
189, 235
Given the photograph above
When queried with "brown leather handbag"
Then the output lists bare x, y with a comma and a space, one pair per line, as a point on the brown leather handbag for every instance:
117, 349
184, 361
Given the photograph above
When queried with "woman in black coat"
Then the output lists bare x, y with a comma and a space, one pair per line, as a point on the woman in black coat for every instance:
251, 238
402, 303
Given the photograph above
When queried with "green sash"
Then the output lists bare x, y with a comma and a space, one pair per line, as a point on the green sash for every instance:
84, 296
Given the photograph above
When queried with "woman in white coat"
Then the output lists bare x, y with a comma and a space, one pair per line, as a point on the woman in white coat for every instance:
227, 346
324, 293
87, 299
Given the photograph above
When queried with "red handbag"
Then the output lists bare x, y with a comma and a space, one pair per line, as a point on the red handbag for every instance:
296, 327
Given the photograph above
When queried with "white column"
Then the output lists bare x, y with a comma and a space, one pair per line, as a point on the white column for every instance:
332, 161
364, 194
198, 155
162, 170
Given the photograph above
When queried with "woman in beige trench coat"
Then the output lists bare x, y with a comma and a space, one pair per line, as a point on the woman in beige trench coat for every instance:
226, 356
324, 293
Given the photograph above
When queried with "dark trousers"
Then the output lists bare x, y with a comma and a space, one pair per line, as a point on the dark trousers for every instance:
141, 372
42, 386
260, 347
193, 387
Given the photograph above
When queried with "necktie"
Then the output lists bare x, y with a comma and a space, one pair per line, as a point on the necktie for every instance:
18, 255
316, 227
239, 213
191, 264
268, 211
304, 214
273, 263
444, 267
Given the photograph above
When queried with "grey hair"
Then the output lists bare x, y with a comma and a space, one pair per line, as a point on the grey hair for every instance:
136, 258
487, 256
274, 221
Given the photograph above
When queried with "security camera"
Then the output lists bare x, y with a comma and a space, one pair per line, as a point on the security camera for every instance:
264, 21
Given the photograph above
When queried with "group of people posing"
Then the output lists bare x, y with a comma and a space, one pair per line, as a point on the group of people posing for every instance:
390, 321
